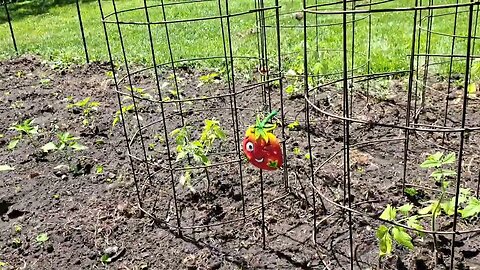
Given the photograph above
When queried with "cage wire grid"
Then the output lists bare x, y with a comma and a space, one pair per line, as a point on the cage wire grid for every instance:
340, 116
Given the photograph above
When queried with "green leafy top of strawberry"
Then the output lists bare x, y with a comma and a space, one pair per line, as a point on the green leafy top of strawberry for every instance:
263, 128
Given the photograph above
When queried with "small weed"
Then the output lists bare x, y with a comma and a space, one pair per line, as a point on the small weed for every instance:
42, 238
142, 92
65, 140
87, 106
45, 82
17, 228
99, 169
25, 128
105, 259
294, 125
118, 114
197, 149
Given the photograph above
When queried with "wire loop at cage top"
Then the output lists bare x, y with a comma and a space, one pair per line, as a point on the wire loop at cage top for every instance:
159, 13
337, 7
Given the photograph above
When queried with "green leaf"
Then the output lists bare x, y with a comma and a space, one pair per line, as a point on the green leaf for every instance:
49, 147
402, 237
99, 169
449, 207
181, 155
404, 209
77, 147
413, 222
432, 161
42, 238
427, 209
449, 159
390, 213
105, 258
472, 208
442, 173
411, 191
385, 240
472, 88
12, 144
4, 168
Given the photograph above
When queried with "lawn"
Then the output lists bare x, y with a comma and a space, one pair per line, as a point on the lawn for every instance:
52, 31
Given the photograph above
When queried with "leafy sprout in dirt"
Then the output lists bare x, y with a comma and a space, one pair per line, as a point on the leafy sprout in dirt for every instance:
42, 238
17, 228
88, 107
118, 114
99, 169
105, 259
196, 149
294, 125
138, 90
209, 78
389, 234
25, 128
296, 151
45, 82
65, 140
441, 174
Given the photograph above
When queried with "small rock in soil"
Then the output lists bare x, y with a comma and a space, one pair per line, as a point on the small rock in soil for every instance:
110, 250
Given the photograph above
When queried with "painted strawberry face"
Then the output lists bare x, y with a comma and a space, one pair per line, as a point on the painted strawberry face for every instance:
261, 147
262, 154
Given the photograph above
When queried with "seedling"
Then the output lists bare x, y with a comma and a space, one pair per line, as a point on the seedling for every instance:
469, 206
438, 161
17, 228
45, 82
387, 235
294, 125
65, 140
105, 259
296, 151
139, 91
411, 191
125, 110
99, 169
25, 128
87, 106
210, 78
198, 149
42, 238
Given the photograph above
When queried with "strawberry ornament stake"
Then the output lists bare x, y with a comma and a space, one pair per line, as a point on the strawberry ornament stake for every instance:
261, 146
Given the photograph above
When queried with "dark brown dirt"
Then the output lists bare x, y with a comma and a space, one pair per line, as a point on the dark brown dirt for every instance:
87, 214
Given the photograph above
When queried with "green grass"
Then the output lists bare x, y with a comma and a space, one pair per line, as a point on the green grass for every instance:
51, 30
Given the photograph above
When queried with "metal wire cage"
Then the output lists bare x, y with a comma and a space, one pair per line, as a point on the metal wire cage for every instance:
352, 140
391, 121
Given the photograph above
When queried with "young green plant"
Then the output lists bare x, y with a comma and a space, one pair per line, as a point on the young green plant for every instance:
25, 128
440, 175
87, 107
197, 149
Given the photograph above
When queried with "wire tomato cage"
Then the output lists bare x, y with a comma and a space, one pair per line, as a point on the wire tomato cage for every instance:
355, 133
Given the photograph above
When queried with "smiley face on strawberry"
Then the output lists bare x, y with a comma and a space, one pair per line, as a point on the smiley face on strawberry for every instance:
261, 147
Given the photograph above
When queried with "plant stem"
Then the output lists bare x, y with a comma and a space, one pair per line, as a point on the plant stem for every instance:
434, 213
208, 180
268, 118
